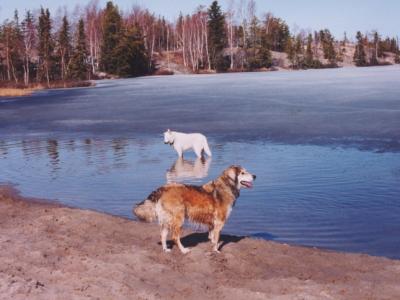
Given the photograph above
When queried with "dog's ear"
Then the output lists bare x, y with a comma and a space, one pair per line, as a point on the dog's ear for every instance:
233, 172
168, 130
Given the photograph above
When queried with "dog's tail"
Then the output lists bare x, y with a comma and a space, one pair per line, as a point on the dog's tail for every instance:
146, 210
207, 149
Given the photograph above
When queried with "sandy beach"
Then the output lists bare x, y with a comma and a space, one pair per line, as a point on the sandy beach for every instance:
49, 251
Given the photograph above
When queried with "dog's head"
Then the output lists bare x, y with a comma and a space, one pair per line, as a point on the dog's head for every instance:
168, 137
239, 177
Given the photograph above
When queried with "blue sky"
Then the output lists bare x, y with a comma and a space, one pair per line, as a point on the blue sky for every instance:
337, 15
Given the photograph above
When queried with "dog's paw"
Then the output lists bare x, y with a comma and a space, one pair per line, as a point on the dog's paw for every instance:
167, 250
185, 250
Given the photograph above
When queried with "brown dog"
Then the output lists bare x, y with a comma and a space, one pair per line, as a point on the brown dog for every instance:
209, 205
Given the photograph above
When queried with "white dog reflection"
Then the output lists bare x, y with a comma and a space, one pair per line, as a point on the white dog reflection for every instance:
185, 169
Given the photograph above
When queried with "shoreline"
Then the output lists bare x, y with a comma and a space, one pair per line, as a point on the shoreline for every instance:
7, 92
52, 251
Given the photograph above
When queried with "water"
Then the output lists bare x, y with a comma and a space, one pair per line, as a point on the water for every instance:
101, 148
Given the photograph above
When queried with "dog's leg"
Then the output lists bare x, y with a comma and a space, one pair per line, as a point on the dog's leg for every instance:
211, 233
184, 250
198, 151
215, 236
179, 151
176, 236
164, 235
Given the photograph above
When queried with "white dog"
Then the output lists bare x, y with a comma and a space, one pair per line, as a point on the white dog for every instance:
185, 141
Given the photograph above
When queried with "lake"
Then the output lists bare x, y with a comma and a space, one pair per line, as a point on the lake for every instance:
324, 145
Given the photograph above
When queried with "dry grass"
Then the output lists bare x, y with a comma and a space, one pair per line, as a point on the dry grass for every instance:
15, 92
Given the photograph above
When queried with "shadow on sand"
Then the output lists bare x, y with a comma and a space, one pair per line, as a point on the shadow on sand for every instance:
193, 239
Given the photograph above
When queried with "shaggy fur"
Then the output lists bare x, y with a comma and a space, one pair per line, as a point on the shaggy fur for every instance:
209, 205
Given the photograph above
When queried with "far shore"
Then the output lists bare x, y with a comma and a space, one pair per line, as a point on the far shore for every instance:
49, 251
13, 90
27, 91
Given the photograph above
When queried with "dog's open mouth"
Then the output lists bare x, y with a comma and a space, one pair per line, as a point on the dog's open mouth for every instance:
247, 184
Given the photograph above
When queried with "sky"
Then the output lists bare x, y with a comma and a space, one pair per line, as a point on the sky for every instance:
338, 15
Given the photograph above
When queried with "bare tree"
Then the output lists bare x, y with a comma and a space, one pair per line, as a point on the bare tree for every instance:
93, 17
230, 14
29, 41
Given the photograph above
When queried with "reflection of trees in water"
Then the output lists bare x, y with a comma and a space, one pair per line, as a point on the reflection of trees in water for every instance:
33, 148
70, 145
88, 149
3, 149
52, 151
26, 148
219, 151
94, 149
185, 169
119, 146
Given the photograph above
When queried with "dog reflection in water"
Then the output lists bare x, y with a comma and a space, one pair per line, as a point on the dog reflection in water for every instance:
185, 169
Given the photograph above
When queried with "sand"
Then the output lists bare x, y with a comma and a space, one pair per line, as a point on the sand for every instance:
49, 251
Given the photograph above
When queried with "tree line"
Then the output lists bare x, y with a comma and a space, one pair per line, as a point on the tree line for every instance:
107, 41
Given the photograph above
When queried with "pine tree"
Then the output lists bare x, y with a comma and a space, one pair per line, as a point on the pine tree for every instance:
299, 49
374, 57
64, 47
359, 55
46, 45
328, 46
397, 53
309, 59
290, 50
264, 55
345, 40
397, 57
131, 57
79, 67
111, 25
217, 37
13, 48
278, 33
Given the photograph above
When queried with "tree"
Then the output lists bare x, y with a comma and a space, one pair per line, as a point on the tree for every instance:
29, 41
130, 54
374, 57
79, 67
299, 51
290, 50
64, 47
264, 55
253, 44
359, 55
13, 48
217, 37
328, 46
397, 57
46, 45
93, 32
278, 33
397, 54
230, 15
309, 59
111, 25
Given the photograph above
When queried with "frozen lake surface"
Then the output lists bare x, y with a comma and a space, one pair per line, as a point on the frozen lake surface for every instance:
324, 146
355, 106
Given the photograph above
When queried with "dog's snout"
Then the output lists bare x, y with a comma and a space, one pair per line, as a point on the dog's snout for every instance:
254, 177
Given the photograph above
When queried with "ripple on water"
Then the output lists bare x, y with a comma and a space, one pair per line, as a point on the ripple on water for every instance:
342, 199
